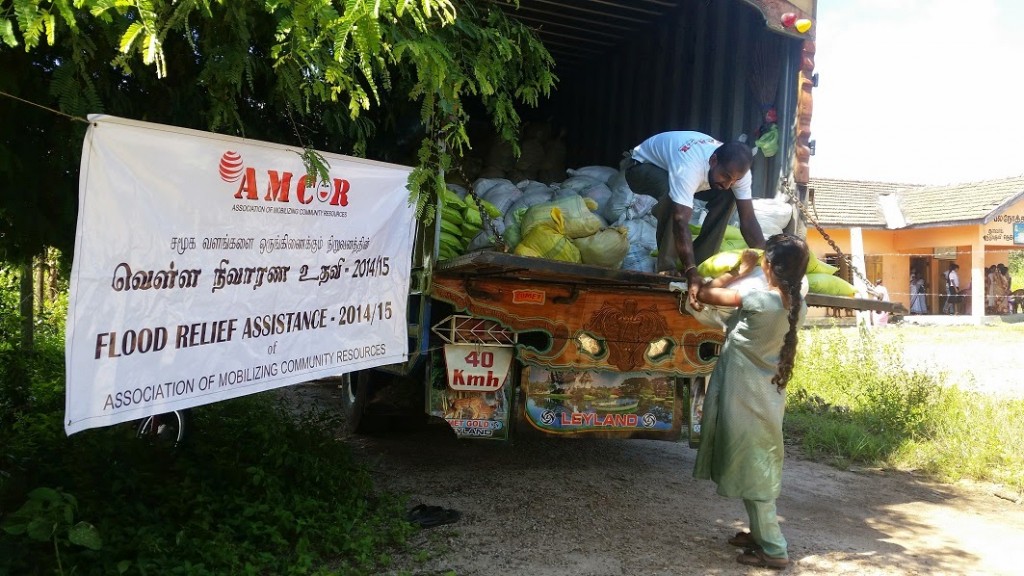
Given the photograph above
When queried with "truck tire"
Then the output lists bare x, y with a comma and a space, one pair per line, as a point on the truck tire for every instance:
170, 429
374, 402
356, 393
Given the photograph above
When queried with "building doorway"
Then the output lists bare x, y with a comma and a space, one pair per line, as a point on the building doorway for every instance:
921, 267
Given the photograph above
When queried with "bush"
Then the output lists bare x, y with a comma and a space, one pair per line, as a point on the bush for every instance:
259, 490
256, 491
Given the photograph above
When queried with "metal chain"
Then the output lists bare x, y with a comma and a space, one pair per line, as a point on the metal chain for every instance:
787, 187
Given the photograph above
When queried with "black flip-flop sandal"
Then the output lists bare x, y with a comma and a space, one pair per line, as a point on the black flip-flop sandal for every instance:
430, 516
443, 516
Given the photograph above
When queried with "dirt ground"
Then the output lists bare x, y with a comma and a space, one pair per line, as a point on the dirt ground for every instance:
553, 507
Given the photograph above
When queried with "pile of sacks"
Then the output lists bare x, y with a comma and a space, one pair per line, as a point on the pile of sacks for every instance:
819, 278
592, 217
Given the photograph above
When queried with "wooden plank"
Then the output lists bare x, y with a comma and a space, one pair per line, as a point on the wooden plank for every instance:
829, 301
490, 264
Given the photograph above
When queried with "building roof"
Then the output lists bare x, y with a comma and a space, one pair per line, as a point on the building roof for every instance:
843, 203
848, 203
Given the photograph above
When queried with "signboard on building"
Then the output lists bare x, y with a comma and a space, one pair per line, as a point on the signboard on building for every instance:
1006, 228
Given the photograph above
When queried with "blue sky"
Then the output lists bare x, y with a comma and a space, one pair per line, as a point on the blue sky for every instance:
919, 91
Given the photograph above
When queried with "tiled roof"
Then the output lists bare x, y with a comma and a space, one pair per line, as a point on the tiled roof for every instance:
850, 202
845, 203
970, 203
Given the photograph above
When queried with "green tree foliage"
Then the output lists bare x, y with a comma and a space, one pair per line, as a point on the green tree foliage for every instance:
1016, 267
393, 80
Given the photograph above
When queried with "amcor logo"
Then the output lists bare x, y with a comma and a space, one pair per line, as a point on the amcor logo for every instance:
279, 184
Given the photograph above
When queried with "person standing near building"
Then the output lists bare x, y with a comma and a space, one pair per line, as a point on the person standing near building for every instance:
880, 317
1000, 289
952, 290
678, 167
741, 447
917, 303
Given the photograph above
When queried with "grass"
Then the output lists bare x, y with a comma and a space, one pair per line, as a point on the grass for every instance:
259, 493
853, 400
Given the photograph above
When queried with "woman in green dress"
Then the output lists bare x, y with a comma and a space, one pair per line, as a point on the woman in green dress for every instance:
741, 447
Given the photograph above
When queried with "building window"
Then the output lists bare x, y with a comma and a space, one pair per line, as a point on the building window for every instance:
873, 264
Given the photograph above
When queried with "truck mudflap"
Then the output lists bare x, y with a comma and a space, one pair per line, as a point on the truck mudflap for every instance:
473, 393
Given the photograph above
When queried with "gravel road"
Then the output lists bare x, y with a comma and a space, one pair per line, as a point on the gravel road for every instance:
591, 507
547, 507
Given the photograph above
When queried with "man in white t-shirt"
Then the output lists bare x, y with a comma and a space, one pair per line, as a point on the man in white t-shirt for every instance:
675, 168
952, 305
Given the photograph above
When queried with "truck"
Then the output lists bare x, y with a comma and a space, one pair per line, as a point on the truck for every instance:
502, 344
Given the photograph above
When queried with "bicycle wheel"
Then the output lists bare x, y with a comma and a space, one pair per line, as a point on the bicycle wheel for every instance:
168, 429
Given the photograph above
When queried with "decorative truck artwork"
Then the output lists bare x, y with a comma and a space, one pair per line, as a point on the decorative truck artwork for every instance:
208, 267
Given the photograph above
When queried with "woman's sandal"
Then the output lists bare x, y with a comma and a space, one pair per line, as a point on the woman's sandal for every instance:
743, 540
756, 557
430, 516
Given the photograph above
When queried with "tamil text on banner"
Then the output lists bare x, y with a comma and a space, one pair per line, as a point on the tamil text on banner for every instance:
207, 267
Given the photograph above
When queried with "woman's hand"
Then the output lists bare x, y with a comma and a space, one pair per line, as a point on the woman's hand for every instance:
749, 260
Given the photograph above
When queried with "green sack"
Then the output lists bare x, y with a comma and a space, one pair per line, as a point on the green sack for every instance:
769, 142
731, 232
829, 284
815, 266
513, 228
720, 263
732, 244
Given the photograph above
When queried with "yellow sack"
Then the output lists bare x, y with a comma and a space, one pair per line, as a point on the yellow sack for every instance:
607, 248
829, 284
722, 262
576, 213
547, 240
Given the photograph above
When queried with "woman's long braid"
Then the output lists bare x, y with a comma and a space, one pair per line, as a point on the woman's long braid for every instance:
788, 256
788, 353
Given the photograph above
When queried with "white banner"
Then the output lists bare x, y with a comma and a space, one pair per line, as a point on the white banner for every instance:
206, 269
